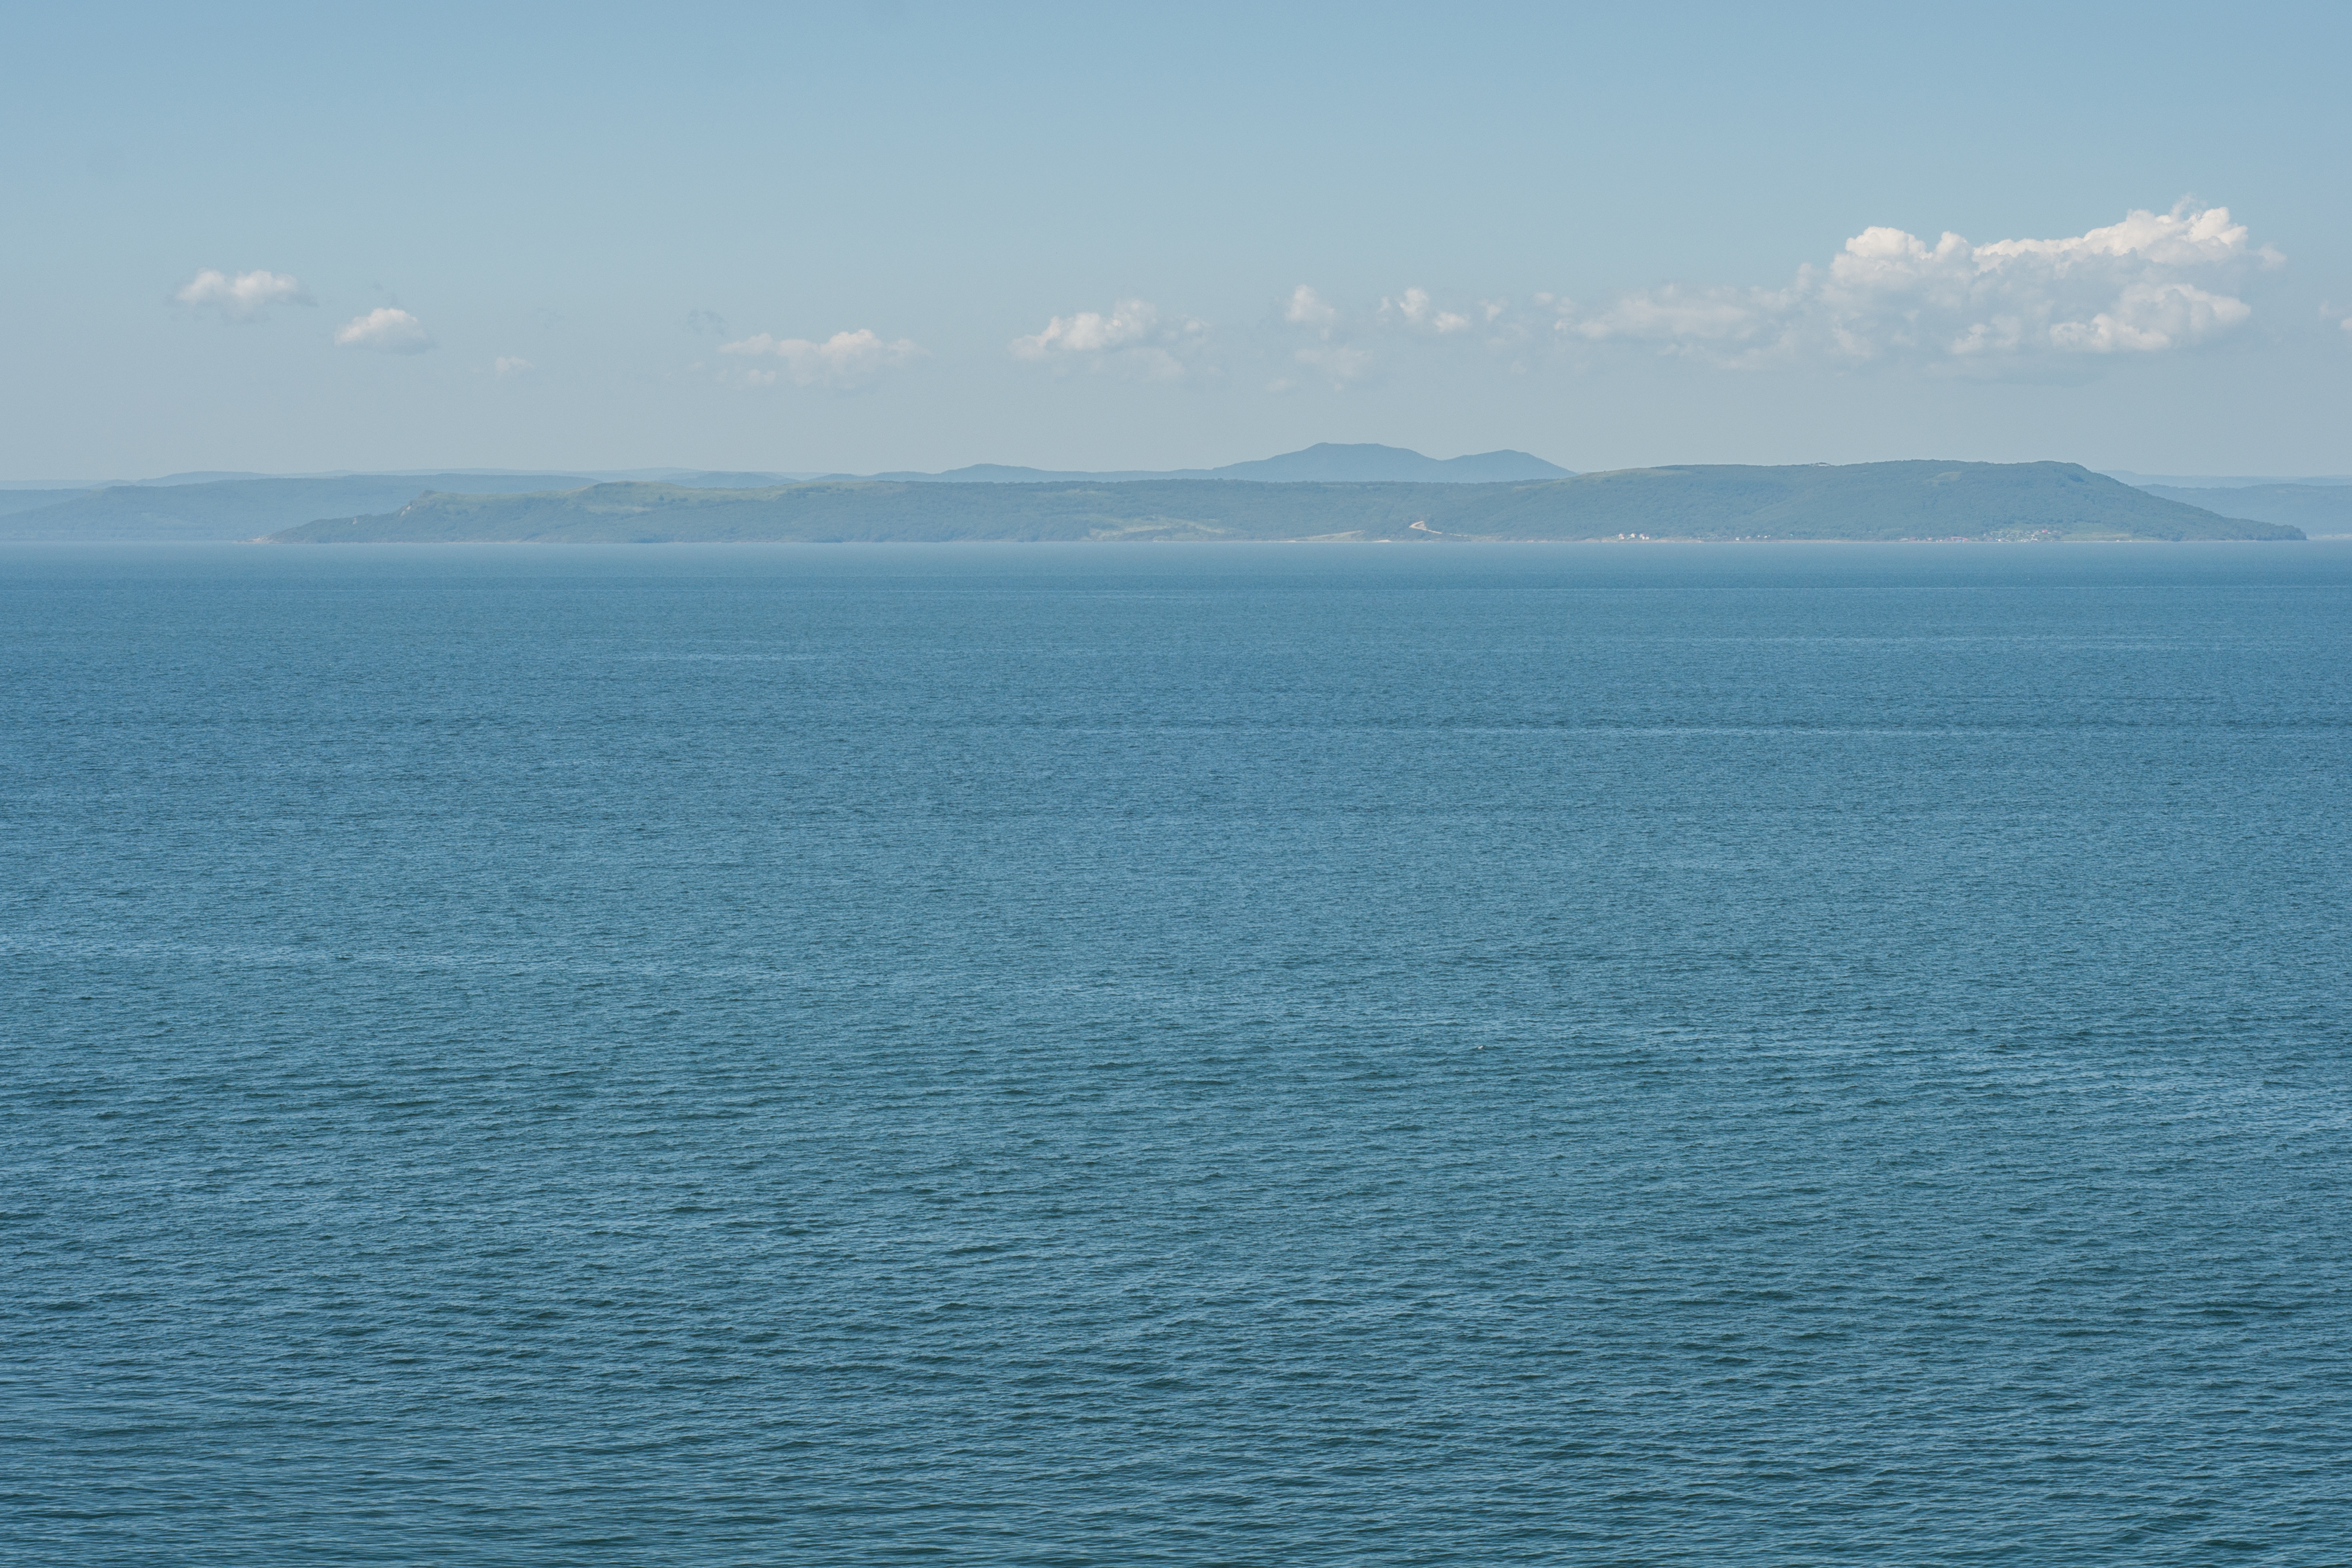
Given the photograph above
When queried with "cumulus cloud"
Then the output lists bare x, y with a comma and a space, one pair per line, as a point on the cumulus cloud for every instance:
386, 329
244, 297
1413, 310
507, 365
1307, 308
1341, 350
844, 361
2154, 282
1132, 337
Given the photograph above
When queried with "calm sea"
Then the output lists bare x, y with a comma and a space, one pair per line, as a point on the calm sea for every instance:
1128, 1054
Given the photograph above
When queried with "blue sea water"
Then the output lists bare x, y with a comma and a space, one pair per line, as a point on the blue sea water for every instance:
1176, 1055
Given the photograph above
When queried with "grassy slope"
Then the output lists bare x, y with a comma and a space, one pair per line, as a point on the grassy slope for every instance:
1865, 501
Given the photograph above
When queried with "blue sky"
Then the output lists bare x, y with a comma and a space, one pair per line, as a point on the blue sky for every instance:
901, 234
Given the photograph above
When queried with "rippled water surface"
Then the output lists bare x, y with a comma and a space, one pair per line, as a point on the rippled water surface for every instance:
1176, 1055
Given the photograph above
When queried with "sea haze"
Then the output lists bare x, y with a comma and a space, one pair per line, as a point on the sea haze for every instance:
1224, 1054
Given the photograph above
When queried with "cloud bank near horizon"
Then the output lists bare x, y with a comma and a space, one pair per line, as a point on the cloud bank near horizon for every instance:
847, 361
1131, 338
2153, 282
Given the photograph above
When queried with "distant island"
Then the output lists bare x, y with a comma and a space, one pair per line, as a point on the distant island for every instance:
1865, 501
1329, 491
223, 506
1325, 462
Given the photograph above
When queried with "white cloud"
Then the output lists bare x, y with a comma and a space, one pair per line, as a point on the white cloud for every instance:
1309, 308
1413, 310
1090, 332
2155, 281
844, 361
386, 329
1342, 351
505, 366
1130, 338
244, 298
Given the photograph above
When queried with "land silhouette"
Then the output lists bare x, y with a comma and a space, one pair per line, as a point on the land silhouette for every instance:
1330, 491
1870, 501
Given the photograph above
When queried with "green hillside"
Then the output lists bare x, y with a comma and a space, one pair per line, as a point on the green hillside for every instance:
1881, 501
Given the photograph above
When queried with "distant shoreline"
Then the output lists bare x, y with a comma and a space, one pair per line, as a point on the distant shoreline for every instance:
1919, 501
1205, 543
